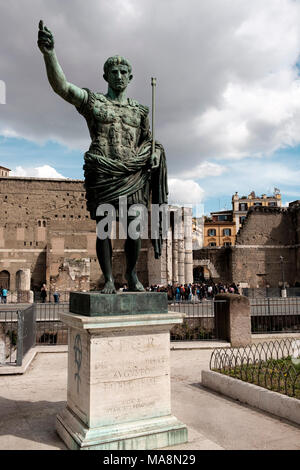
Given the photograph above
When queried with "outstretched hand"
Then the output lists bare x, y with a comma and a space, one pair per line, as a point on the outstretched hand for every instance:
45, 38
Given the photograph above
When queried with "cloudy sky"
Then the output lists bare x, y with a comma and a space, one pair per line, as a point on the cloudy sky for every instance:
228, 89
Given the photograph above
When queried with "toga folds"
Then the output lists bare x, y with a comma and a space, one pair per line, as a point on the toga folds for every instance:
113, 170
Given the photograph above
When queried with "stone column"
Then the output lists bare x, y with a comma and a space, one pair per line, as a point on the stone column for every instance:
233, 319
188, 245
175, 261
181, 250
119, 394
169, 264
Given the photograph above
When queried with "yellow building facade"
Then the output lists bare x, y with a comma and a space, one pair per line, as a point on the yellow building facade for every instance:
219, 234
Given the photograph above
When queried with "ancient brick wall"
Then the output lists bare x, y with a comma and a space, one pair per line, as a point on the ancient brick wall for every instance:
266, 234
267, 226
217, 260
43, 223
45, 228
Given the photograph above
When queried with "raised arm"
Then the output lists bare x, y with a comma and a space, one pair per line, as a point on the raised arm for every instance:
56, 76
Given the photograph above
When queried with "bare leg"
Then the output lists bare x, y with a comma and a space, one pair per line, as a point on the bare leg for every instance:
104, 255
132, 251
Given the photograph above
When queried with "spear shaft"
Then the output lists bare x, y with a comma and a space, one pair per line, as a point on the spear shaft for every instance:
153, 83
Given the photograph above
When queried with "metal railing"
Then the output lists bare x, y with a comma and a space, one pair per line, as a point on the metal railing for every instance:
26, 332
20, 330
263, 292
199, 321
64, 296
272, 315
269, 365
8, 337
49, 328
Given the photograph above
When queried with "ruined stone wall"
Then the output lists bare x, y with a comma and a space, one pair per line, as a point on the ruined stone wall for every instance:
46, 230
217, 260
266, 234
44, 222
272, 226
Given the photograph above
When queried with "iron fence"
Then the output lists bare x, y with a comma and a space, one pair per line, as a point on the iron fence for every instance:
51, 297
49, 328
20, 330
272, 315
263, 292
199, 321
8, 337
269, 365
26, 332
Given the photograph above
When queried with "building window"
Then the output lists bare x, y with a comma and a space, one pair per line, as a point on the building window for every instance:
242, 219
227, 244
258, 203
227, 232
212, 244
272, 204
211, 232
243, 206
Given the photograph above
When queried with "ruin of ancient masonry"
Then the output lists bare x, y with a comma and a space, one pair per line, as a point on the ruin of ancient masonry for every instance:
266, 234
46, 235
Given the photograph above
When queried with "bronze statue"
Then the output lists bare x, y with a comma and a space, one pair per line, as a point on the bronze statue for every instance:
123, 159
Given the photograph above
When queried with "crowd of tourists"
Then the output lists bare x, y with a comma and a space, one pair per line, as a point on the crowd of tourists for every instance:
193, 292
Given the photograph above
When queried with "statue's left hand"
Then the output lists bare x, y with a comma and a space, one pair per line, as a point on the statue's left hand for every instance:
154, 160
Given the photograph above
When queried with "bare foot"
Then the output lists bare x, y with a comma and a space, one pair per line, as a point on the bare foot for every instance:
134, 285
109, 288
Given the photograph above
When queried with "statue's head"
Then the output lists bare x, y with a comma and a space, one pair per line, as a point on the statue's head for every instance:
117, 72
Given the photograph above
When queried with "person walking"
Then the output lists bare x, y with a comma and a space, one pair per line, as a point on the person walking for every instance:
56, 296
43, 293
4, 296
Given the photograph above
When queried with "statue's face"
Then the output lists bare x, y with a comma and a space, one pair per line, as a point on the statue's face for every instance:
118, 77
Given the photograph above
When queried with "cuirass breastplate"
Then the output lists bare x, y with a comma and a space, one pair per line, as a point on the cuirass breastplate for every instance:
116, 129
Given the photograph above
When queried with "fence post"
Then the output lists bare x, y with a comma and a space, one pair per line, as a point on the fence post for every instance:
233, 319
19, 358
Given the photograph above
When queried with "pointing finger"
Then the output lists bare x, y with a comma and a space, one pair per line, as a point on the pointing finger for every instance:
41, 25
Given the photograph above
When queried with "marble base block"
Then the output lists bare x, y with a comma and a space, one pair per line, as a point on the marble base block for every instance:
119, 383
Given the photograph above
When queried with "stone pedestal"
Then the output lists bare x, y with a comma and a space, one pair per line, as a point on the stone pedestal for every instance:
119, 373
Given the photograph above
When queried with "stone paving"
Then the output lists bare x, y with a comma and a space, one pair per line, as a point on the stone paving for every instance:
29, 404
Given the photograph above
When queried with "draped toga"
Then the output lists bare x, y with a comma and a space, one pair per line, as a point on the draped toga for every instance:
117, 162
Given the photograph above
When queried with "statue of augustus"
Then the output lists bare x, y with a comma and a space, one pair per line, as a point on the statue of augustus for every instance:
122, 159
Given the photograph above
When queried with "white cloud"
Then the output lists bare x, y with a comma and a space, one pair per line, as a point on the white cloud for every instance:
44, 171
258, 175
202, 170
227, 83
182, 192
255, 119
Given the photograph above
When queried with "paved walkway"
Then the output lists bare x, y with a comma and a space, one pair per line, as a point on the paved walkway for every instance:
29, 404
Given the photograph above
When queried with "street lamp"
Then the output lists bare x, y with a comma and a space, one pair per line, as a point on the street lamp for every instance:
282, 274
282, 270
